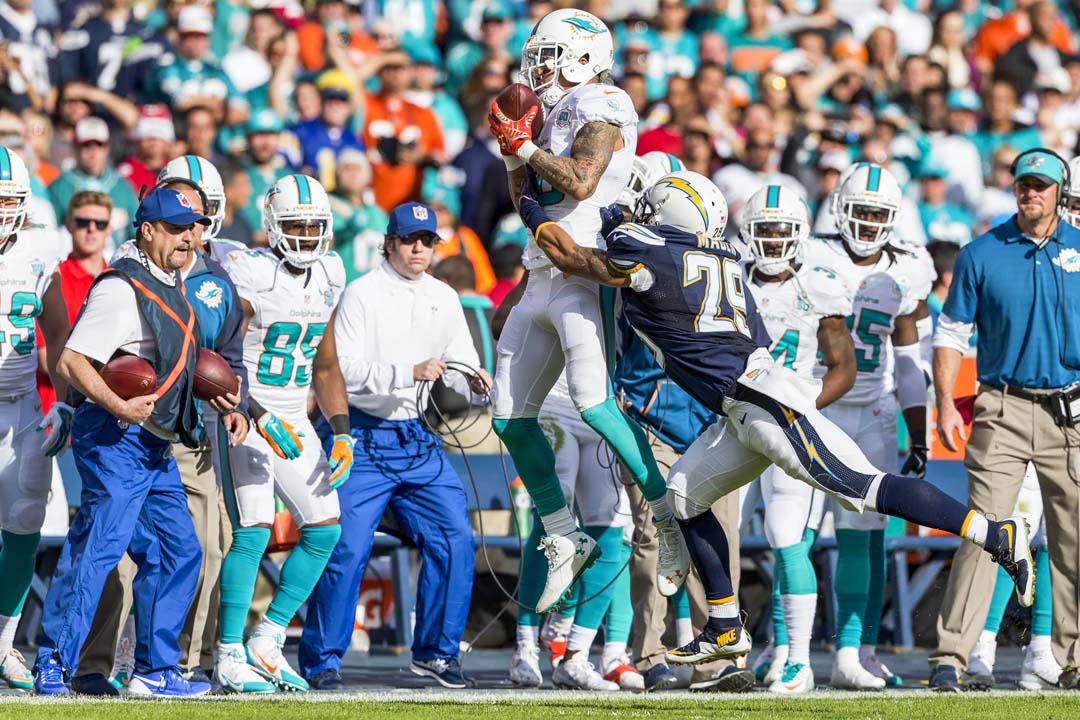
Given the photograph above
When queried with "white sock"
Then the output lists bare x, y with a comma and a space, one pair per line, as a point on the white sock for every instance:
799, 613
581, 639
989, 637
614, 655
660, 508
975, 528
848, 656
684, 630
8, 626
228, 648
1038, 643
528, 635
725, 609
560, 522
558, 626
268, 628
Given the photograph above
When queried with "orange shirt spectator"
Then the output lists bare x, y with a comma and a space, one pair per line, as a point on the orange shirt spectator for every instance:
311, 39
465, 242
995, 37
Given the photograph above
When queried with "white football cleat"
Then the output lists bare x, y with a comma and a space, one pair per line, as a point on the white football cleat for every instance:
577, 673
264, 654
796, 679
1040, 670
1015, 556
14, 672
626, 676
234, 674
568, 556
673, 561
849, 674
769, 665
525, 667
980, 669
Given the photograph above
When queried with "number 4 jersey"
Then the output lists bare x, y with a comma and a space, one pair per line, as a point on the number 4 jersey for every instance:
291, 312
26, 269
697, 317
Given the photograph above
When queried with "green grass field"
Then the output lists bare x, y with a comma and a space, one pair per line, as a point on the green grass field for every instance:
909, 706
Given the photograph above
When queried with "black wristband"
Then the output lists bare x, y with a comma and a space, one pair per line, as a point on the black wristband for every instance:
340, 424
255, 410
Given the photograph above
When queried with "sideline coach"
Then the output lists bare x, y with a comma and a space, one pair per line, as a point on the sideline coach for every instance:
1019, 286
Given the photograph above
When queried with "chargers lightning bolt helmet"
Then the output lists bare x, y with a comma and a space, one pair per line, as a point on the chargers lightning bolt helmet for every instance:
866, 208
686, 200
775, 222
202, 172
298, 221
14, 192
566, 45
647, 169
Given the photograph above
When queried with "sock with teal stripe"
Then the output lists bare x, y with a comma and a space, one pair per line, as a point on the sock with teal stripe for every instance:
999, 601
1042, 612
629, 443
302, 570
238, 573
532, 574
875, 594
852, 585
535, 463
17, 559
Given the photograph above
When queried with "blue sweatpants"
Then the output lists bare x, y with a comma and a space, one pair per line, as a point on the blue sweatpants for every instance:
400, 464
133, 501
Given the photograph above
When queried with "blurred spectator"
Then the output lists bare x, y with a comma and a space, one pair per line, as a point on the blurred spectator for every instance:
359, 224
248, 66
265, 166
485, 197
96, 51
427, 93
457, 272
415, 21
757, 167
673, 50
883, 62
998, 200
441, 191
496, 27
698, 143
331, 19
668, 118
39, 136
949, 49
93, 171
997, 36
486, 81
712, 16
402, 137
103, 103
154, 136
307, 103
26, 52
1001, 127
238, 196
200, 132
232, 20
911, 29
755, 46
321, 140
942, 221
39, 210
944, 256
1034, 54
506, 262
1052, 119
950, 122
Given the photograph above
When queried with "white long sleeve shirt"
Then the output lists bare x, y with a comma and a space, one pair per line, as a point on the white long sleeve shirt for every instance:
385, 325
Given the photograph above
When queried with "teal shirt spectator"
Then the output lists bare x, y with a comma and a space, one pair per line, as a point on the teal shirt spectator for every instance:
416, 20
742, 52
946, 223
261, 181
125, 204
359, 232
713, 21
231, 20
668, 55
1021, 139
177, 78
461, 60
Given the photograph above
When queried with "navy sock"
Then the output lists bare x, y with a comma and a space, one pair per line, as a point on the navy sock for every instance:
708, 548
920, 502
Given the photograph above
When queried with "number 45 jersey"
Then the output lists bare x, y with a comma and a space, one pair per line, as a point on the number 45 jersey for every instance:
291, 312
698, 317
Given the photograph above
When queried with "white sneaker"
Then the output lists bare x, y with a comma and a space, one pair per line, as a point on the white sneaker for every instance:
796, 679
525, 667
769, 665
234, 674
264, 654
1040, 670
673, 562
568, 556
625, 675
14, 672
577, 673
124, 663
875, 667
980, 669
849, 674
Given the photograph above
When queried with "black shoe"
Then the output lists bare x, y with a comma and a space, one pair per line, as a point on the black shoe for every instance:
659, 677
943, 679
1070, 675
197, 674
446, 671
93, 684
327, 680
731, 679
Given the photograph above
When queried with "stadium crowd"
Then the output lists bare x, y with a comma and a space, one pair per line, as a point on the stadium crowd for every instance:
386, 104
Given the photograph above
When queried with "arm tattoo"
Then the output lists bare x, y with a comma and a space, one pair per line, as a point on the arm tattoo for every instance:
592, 264
579, 174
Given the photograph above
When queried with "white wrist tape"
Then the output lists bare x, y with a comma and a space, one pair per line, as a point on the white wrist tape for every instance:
527, 150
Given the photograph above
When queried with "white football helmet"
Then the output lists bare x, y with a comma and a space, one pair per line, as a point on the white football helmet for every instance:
686, 200
202, 172
1071, 211
301, 201
866, 209
14, 192
647, 169
775, 215
568, 45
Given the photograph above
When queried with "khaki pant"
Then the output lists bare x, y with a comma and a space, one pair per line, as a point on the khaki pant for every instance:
1007, 433
198, 638
650, 607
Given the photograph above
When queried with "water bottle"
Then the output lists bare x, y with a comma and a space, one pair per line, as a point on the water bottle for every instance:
522, 507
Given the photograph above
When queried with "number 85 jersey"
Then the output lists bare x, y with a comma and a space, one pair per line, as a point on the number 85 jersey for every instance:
291, 312
698, 317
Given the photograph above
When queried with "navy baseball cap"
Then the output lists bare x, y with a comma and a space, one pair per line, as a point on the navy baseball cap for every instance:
169, 206
411, 217
1041, 165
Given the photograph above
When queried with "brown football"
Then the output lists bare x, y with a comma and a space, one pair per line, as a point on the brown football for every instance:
129, 376
213, 376
516, 100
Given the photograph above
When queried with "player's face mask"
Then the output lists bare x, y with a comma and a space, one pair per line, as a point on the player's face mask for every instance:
775, 245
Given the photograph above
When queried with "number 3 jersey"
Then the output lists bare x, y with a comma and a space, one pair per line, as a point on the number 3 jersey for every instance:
882, 292
291, 312
792, 310
26, 268
697, 317
578, 108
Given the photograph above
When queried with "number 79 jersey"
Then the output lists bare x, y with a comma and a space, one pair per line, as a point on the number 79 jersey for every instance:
698, 317
291, 312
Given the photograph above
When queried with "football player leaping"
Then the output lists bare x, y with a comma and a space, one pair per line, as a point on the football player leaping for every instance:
582, 164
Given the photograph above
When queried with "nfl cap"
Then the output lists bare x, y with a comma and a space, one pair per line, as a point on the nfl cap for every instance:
411, 217
169, 206
1041, 165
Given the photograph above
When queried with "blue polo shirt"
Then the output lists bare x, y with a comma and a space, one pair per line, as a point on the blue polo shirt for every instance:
1013, 292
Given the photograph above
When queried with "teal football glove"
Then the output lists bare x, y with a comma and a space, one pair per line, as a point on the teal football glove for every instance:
341, 459
279, 435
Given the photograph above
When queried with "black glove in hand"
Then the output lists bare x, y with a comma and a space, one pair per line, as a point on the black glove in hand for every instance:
915, 465
611, 217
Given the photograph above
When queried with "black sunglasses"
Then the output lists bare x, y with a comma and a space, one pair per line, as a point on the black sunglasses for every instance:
429, 239
82, 223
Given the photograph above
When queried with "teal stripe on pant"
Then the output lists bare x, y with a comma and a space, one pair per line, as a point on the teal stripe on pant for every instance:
1042, 612
875, 593
531, 576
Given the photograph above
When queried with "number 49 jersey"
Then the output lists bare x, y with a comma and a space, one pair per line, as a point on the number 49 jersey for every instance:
25, 272
697, 317
793, 309
291, 312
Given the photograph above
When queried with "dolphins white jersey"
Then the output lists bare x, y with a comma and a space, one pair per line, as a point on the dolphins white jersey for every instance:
582, 105
882, 292
792, 311
291, 312
26, 268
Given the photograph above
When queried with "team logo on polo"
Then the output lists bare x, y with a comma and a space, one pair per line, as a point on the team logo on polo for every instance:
210, 293
419, 212
1068, 260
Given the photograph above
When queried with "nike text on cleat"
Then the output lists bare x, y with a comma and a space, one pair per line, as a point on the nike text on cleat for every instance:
577, 673
673, 561
796, 679
568, 557
849, 674
711, 646
265, 656
14, 671
1015, 556
626, 677
167, 683
525, 667
235, 675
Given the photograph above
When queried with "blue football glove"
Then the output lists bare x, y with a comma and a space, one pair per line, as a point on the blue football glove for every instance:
280, 436
58, 424
341, 460
611, 217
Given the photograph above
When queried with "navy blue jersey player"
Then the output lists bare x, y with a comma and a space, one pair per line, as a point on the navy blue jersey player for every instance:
684, 295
